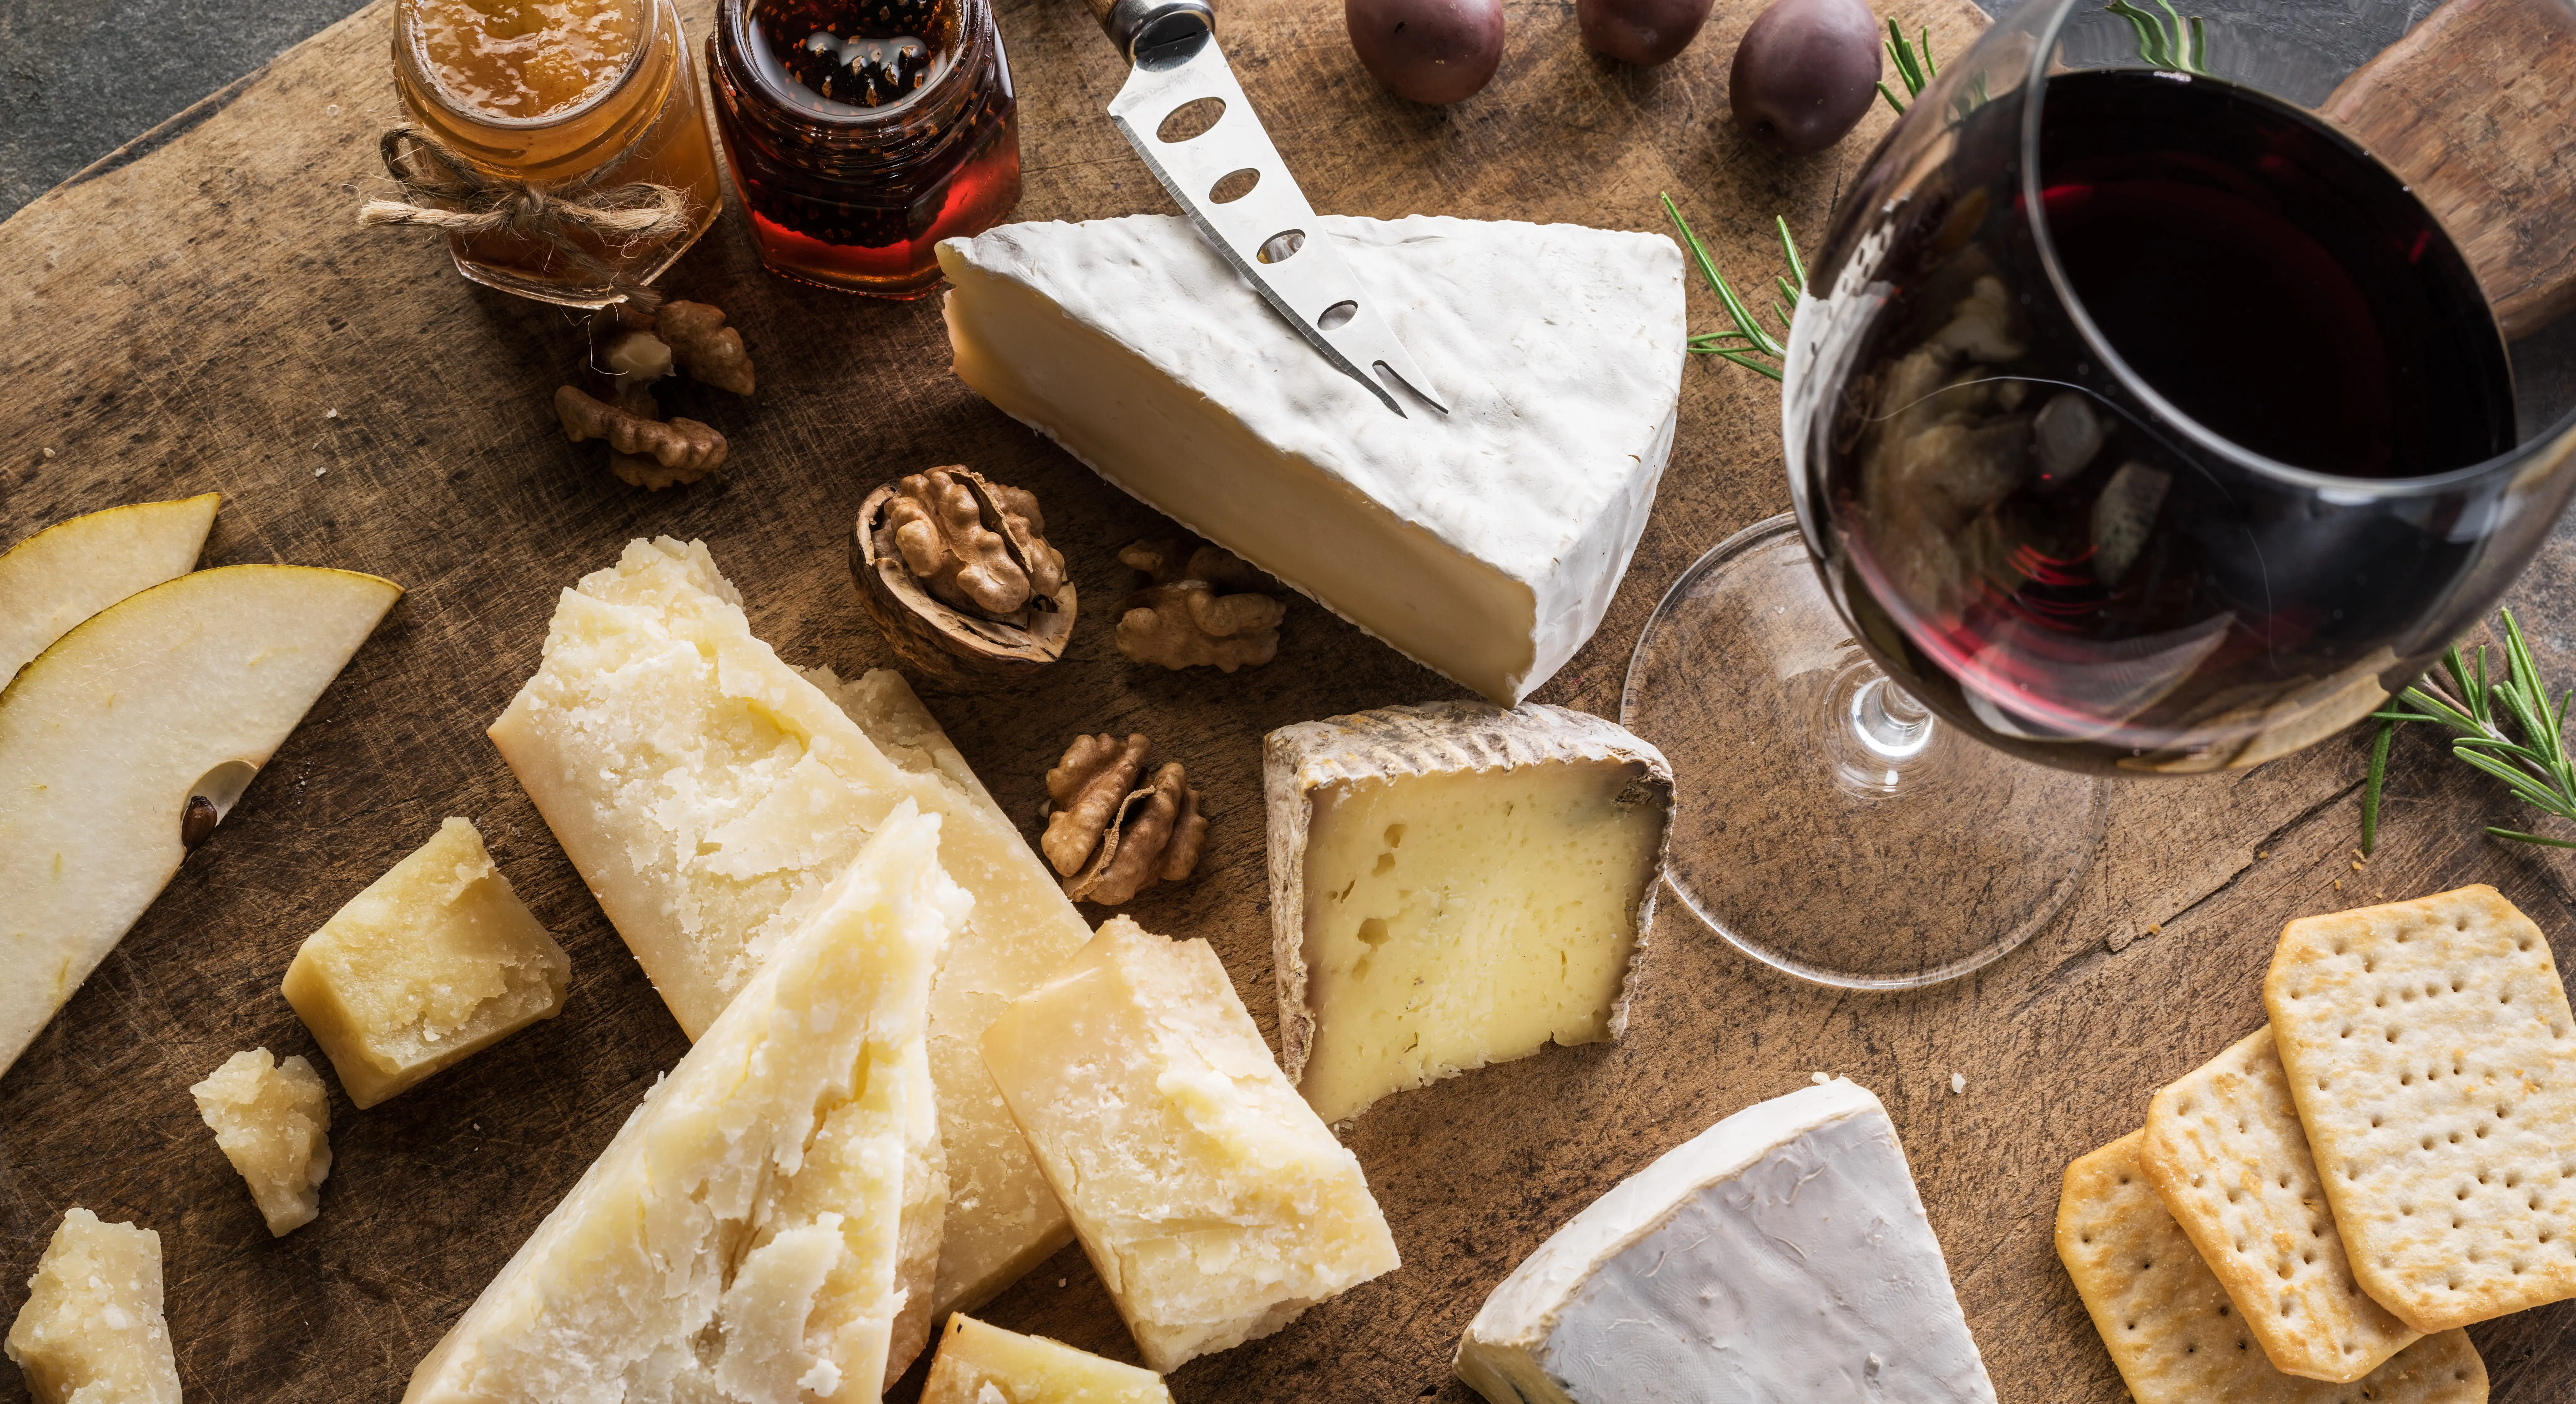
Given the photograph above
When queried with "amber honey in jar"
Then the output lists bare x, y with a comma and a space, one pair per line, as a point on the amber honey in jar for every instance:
576, 97
863, 132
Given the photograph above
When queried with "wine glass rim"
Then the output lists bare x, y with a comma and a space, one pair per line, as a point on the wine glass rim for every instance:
2035, 89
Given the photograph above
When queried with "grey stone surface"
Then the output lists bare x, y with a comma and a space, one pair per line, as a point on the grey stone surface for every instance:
79, 78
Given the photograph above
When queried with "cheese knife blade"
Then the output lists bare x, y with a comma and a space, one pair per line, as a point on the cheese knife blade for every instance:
1267, 232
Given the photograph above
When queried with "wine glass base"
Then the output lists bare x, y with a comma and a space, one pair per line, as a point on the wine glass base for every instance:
1824, 826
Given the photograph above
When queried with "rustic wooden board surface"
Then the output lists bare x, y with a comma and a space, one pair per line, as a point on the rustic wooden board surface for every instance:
190, 314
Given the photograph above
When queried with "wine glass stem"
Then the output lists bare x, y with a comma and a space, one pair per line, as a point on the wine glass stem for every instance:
1888, 720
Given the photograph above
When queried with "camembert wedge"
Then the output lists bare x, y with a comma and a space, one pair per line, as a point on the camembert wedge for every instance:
709, 794
1453, 885
1214, 1204
1486, 542
1782, 1254
764, 1228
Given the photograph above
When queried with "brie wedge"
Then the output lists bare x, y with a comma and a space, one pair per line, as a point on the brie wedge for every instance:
764, 1228
1453, 885
1484, 543
709, 793
1781, 1254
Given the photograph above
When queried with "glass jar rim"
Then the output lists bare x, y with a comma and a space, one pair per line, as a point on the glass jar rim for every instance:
973, 21
407, 52
2561, 434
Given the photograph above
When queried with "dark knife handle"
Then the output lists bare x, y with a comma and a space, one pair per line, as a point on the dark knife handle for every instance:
1136, 26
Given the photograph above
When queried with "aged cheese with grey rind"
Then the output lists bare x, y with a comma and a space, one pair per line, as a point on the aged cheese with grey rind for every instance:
1454, 884
764, 1229
1485, 543
1782, 1254
707, 792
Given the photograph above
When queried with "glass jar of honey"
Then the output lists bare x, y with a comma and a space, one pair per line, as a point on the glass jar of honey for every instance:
863, 132
583, 100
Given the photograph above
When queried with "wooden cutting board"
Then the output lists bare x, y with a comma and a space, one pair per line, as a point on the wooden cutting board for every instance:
199, 312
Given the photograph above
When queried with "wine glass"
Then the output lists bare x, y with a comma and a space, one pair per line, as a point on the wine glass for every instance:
2170, 390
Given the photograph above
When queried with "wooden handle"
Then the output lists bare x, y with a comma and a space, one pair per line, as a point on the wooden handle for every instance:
2476, 109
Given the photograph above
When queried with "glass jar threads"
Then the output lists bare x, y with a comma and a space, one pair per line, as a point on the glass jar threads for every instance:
862, 134
571, 127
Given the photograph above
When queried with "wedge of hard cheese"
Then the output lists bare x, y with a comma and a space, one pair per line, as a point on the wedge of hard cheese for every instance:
709, 794
1453, 885
1781, 1254
1484, 543
1214, 1204
764, 1229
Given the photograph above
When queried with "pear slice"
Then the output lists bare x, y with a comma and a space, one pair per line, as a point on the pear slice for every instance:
71, 570
110, 737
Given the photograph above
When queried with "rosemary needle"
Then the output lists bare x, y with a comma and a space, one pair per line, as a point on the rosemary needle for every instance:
2532, 760
1751, 345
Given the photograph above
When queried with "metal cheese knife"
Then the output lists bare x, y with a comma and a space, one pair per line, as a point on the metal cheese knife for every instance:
1267, 232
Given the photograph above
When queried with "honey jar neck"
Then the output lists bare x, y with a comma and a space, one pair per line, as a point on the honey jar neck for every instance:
849, 137
553, 146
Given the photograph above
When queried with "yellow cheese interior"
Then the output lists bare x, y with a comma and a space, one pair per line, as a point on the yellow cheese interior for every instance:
92, 1326
273, 1121
1213, 1202
1460, 919
981, 1364
434, 961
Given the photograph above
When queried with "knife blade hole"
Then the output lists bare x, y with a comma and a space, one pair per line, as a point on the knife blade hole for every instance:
1338, 315
1279, 248
1234, 187
1190, 119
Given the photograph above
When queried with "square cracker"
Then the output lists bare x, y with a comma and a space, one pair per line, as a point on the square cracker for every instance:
2433, 1058
2225, 1152
2171, 1328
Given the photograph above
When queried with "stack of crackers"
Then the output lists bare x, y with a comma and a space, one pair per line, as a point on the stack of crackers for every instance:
2314, 1214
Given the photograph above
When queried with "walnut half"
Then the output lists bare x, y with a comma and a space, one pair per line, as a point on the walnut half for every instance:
1203, 609
957, 572
1109, 841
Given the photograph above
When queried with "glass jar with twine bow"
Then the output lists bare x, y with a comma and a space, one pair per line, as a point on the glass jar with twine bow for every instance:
561, 149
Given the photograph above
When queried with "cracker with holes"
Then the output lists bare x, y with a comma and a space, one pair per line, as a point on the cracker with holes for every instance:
2433, 1059
2225, 1152
2171, 1329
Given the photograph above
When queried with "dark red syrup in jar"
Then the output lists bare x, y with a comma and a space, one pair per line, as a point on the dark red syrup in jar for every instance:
862, 134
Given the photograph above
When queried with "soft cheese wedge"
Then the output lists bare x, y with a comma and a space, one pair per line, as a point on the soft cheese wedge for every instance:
709, 794
1781, 1254
62, 575
1484, 543
92, 1330
1213, 1202
430, 964
764, 1228
183, 689
980, 1364
1453, 885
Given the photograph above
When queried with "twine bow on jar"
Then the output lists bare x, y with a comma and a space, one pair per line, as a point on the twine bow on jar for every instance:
469, 202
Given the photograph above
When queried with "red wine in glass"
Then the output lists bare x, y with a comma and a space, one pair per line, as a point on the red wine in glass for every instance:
2177, 452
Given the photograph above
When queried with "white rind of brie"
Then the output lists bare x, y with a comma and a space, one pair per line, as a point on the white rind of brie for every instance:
1781, 1254
1485, 543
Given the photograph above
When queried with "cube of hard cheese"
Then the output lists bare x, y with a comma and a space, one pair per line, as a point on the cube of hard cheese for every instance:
273, 1121
1782, 1254
764, 1228
1214, 1203
708, 792
980, 1364
91, 1331
432, 963
1453, 885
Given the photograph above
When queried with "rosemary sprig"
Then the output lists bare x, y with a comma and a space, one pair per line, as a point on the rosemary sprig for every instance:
1751, 345
1913, 73
2167, 40
2535, 767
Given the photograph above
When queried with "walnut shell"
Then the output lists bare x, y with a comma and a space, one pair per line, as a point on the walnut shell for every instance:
951, 646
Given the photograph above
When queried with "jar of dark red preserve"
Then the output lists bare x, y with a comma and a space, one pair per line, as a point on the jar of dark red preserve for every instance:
863, 132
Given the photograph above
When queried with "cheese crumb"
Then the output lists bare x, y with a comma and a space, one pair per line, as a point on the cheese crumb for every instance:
273, 1121
1958, 1083
1821, 1078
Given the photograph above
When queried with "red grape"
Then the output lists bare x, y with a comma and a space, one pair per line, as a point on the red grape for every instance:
1804, 73
1435, 51
1645, 32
